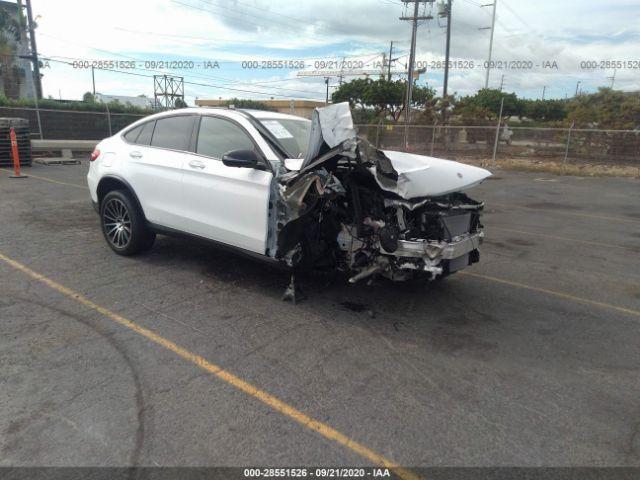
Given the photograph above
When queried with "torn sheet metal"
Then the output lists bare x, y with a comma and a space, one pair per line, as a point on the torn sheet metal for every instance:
408, 221
330, 125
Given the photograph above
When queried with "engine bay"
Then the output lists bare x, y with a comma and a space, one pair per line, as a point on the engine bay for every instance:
339, 217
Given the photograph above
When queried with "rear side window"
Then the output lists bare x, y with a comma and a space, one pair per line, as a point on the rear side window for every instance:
173, 132
141, 135
132, 135
145, 135
218, 136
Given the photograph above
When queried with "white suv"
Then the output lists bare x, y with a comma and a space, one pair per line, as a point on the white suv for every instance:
285, 189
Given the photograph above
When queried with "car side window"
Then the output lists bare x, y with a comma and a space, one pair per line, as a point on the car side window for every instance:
132, 135
145, 135
218, 136
173, 132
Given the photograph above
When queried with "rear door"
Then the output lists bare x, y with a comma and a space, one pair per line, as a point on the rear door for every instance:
155, 168
226, 204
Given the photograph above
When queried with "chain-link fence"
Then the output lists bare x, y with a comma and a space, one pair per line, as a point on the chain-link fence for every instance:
566, 145
71, 124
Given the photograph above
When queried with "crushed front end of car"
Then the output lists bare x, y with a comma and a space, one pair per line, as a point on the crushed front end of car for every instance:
352, 207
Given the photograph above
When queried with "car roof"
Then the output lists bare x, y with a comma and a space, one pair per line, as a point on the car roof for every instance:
259, 114
223, 111
271, 115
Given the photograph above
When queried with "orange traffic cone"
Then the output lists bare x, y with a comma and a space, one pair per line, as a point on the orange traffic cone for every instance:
14, 154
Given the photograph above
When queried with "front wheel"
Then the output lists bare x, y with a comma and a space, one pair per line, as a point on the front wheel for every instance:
123, 224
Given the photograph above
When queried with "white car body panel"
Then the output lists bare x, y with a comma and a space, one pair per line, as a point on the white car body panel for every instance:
293, 164
156, 177
227, 204
421, 176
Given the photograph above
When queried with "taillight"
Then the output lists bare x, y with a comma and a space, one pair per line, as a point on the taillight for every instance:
95, 154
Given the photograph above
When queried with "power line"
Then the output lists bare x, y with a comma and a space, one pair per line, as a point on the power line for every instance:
128, 57
221, 87
208, 77
196, 7
266, 10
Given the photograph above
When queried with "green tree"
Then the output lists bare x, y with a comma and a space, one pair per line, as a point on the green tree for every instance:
485, 104
9, 37
382, 98
545, 110
352, 92
607, 109
249, 104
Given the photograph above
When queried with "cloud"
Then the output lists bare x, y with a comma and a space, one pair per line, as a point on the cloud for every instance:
229, 31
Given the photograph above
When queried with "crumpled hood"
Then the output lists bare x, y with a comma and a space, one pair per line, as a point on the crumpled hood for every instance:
406, 174
422, 176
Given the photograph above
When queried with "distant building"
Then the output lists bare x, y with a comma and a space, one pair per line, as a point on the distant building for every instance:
16, 74
301, 108
141, 102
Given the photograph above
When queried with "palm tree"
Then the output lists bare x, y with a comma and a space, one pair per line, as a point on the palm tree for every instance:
9, 37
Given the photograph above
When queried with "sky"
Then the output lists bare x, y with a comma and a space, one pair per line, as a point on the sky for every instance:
216, 45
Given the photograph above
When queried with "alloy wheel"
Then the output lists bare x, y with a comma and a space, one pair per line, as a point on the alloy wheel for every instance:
117, 223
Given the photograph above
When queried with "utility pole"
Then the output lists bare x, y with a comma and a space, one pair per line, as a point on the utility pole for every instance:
389, 62
447, 53
493, 25
544, 90
412, 58
34, 50
578, 87
93, 81
502, 82
326, 81
613, 79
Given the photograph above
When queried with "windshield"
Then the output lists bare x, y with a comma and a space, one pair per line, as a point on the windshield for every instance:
293, 135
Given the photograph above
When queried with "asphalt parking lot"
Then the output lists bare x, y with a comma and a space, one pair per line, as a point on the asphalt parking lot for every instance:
530, 358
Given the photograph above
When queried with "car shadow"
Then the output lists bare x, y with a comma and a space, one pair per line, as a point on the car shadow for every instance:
441, 312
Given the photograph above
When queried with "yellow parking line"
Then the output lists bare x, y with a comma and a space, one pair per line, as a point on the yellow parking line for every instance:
564, 212
51, 180
566, 296
555, 237
323, 429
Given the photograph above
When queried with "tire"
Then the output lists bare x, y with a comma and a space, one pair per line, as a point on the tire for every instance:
123, 224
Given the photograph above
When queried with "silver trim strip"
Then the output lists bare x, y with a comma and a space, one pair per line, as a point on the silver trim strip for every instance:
438, 250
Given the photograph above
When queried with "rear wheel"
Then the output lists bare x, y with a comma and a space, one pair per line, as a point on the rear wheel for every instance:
123, 224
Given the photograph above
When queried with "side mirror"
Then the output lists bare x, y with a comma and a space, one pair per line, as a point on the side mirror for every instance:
241, 159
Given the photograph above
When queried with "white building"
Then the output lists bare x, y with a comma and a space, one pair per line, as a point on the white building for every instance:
142, 102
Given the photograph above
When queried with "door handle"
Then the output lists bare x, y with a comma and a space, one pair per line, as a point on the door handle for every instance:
196, 164
135, 155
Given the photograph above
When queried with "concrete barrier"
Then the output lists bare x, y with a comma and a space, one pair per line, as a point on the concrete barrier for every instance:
60, 145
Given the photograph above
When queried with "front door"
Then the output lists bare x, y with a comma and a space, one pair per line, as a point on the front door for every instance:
225, 204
